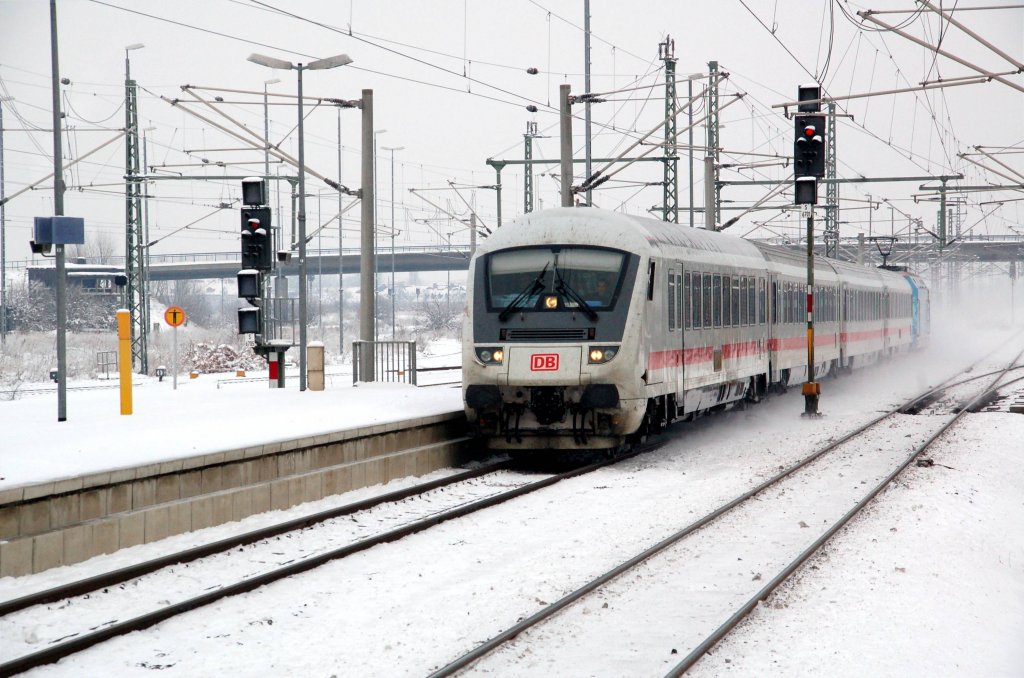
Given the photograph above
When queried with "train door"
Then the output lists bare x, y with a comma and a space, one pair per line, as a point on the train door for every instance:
773, 327
655, 327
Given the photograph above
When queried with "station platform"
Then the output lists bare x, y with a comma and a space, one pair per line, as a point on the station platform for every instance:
199, 456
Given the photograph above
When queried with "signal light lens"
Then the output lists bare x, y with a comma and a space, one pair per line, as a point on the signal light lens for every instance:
551, 302
809, 131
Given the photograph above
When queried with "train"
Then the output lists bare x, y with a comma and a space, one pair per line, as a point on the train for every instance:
588, 329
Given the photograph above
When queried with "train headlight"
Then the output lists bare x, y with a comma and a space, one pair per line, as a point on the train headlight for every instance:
601, 354
490, 355
551, 302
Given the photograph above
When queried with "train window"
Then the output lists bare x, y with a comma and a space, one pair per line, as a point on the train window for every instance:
789, 303
671, 300
751, 301
523, 275
726, 301
799, 303
695, 308
650, 281
784, 304
775, 303
680, 301
744, 287
688, 301
762, 304
707, 314
794, 301
716, 301
737, 319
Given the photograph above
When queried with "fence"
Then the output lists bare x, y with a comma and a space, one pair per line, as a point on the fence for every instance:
393, 361
106, 360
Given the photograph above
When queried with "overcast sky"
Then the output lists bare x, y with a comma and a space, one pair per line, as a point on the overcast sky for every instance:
451, 86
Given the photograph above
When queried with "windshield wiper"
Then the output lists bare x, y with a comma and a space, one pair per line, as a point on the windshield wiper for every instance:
563, 288
536, 286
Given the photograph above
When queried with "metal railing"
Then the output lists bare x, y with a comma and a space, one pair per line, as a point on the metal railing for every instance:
384, 361
105, 360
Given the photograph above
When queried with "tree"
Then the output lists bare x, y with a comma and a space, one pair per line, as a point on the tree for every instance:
99, 248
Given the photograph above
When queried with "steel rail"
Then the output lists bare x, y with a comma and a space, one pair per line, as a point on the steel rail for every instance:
119, 576
705, 646
76, 644
490, 645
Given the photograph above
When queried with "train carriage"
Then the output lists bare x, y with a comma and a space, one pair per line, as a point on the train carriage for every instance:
585, 327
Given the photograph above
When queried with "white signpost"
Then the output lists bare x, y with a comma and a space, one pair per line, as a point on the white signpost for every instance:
175, 316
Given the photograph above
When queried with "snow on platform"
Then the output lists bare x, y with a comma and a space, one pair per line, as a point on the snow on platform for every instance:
211, 413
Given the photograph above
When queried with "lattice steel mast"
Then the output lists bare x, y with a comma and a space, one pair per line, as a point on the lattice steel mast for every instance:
531, 133
713, 143
670, 193
831, 234
134, 245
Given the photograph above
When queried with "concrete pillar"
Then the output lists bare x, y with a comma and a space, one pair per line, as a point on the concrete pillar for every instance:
315, 355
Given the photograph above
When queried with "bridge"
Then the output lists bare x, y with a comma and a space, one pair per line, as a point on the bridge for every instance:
211, 265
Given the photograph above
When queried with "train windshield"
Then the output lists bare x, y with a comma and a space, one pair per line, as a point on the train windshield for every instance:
523, 276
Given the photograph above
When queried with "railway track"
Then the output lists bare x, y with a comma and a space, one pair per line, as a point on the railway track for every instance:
84, 605
948, 398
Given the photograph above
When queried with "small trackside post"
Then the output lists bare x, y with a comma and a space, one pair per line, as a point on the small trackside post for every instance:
124, 348
811, 389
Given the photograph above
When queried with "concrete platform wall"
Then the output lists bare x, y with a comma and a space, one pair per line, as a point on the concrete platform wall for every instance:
71, 520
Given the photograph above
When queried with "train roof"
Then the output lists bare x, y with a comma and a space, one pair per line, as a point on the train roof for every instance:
603, 228
653, 237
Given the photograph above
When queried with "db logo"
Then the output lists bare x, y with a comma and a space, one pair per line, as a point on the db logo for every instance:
544, 362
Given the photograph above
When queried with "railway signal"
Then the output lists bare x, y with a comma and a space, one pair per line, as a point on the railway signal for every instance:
809, 146
257, 252
808, 167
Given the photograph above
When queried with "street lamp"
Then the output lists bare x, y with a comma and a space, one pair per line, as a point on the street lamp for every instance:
266, 126
393, 295
318, 65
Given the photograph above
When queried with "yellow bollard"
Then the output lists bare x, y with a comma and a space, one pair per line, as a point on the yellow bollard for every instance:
124, 359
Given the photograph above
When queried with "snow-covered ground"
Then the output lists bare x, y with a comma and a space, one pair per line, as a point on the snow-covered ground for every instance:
930, 582
212, 413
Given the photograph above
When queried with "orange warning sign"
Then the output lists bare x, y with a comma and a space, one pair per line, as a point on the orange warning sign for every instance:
175, 316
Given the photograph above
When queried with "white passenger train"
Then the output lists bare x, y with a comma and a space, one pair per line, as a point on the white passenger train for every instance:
585, 327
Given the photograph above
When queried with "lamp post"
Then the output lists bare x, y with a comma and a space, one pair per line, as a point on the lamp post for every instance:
266, 126
393, 295
376, 333
58, 210
341, 257
318, 65
145, 227
3, 233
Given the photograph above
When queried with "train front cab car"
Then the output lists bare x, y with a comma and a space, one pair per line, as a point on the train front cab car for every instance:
546, 322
